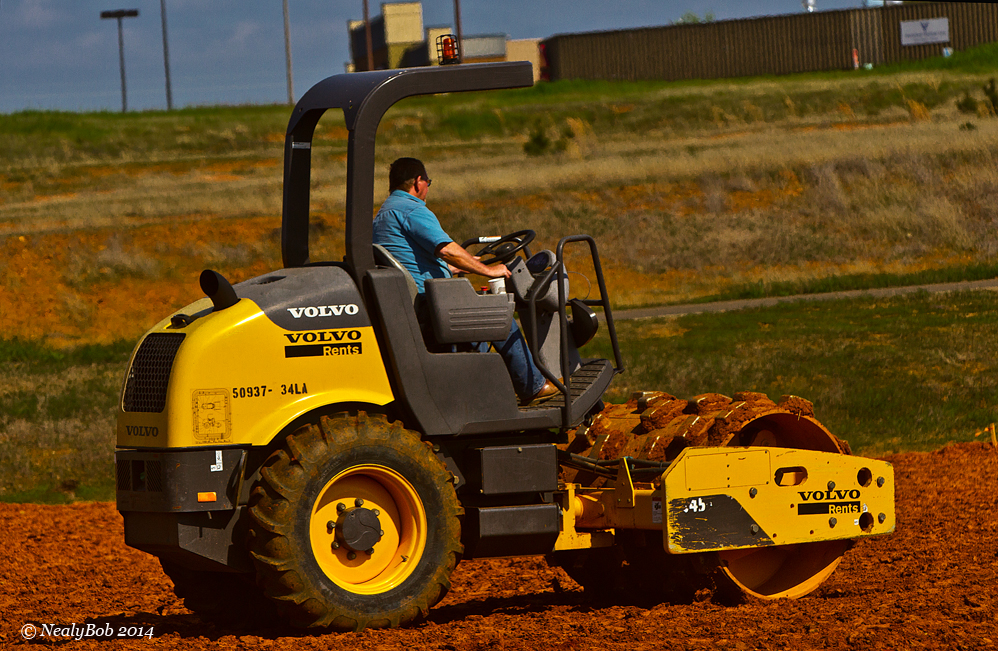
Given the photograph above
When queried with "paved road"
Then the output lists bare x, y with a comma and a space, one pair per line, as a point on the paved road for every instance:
724, 306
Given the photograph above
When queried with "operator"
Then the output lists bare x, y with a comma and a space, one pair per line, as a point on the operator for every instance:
411, 232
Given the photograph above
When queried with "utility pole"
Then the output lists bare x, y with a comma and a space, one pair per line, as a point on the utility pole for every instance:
287, 54
119, 14
457, 26
367, 38
166, 57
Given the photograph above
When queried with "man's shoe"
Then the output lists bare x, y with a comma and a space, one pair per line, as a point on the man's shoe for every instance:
546, 392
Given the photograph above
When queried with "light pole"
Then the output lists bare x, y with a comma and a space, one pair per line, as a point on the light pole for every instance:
119, 14
166, 57
367, 38
457, 26
287, 54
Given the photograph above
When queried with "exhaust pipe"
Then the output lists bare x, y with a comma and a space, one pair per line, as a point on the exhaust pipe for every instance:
218, 289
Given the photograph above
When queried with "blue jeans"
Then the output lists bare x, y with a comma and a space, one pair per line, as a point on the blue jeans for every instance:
527, 378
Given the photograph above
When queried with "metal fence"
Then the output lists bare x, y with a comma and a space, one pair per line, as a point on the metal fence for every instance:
763, 46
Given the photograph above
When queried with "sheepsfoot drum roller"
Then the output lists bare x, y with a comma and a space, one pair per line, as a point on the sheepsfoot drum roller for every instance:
319, 446
744, 496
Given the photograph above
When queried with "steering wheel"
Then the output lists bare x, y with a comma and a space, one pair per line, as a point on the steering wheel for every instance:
505, 248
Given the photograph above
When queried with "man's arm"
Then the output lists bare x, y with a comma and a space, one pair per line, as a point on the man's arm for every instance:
455, 255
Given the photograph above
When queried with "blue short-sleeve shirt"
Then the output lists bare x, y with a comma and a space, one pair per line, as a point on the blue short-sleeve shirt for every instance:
411, 232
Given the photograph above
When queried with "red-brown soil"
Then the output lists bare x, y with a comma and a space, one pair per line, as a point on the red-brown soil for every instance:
932, 584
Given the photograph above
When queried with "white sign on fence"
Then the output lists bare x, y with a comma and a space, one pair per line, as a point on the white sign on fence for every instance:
921, 32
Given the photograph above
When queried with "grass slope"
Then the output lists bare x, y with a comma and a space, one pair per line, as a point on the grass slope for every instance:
57, 421
905, 373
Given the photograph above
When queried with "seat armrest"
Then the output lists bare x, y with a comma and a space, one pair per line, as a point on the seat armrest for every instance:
459, 315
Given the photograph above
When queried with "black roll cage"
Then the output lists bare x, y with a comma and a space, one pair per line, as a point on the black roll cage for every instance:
364, 98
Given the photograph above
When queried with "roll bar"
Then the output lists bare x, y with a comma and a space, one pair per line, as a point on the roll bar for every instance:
557, 270
364, 98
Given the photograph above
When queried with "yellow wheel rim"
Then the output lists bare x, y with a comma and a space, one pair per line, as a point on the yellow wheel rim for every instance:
402, 520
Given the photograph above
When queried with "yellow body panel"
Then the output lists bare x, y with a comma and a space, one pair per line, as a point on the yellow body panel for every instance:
232, 382
717, 499
733, 498
573, 511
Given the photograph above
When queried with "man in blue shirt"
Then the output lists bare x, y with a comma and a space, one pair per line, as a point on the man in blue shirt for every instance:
412, 234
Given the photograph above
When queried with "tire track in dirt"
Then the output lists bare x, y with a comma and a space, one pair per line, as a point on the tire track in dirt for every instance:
931, 585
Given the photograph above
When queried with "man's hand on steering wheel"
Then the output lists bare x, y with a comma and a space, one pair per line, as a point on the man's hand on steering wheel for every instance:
504, 249
458, 257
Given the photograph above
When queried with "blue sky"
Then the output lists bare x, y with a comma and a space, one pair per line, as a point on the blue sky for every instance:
59, 54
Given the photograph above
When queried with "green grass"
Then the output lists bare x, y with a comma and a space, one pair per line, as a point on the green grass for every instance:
636, 106
847, 282
906, 373
42, 357
640, 107
41, 138
57, 421
101, 491
976, 60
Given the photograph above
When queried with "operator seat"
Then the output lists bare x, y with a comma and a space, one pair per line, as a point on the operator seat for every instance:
383, 258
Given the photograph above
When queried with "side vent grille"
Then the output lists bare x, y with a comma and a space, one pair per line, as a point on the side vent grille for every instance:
139, 475
145, 390
124, 476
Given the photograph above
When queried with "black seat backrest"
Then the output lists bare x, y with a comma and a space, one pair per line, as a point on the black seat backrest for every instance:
383, 258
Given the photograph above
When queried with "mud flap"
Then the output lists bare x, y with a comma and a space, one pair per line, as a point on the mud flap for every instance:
718, 499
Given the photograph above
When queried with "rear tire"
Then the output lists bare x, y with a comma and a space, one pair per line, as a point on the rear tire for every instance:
336, 490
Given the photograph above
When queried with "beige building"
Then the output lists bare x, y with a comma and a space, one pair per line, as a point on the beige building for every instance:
399, 40
525, 49
396, 37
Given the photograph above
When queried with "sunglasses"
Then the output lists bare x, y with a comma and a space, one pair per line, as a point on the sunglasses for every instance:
428, 181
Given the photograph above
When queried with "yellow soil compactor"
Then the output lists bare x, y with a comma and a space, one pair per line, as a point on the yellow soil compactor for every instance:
298, 445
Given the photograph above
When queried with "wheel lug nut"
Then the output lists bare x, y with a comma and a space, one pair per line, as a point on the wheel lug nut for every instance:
335, 545
351, 556
377, 512
341, 507
358, 502
369, 551
381, 532
330, 525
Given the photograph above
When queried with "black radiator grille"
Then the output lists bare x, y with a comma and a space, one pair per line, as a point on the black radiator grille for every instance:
139, 475
154, 476
124, 476
149, 375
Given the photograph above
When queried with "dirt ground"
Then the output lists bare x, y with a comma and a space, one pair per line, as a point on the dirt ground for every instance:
932, 584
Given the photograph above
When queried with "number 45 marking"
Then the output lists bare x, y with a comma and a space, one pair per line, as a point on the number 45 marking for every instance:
696, 505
